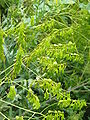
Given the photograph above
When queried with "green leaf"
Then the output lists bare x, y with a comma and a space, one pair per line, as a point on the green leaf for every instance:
19, 118
12, 93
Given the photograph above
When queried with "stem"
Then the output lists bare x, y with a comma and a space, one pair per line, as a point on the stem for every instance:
21, 108
0, 17
2, 82
6, 69
48, 107
4, 116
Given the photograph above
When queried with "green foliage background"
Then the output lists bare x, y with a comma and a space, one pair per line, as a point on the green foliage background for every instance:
44, 60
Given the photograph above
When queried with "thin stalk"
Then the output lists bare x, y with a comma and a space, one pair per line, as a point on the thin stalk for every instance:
27, 110
6, 69
0, 17
4, 116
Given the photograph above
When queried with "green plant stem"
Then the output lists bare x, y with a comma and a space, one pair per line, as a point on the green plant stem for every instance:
4, 116
6, 69
31, 116
48, 107
5, 77
22, 108
76, 87
0, 17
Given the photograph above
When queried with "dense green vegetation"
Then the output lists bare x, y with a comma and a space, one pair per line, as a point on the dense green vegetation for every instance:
44, 60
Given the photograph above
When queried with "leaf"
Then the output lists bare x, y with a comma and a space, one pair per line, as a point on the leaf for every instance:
12, 93
19, 118
2, 56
